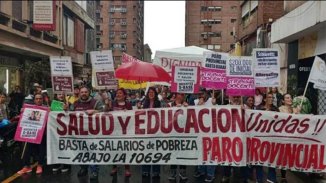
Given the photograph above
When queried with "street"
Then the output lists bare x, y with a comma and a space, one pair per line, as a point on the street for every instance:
104, 176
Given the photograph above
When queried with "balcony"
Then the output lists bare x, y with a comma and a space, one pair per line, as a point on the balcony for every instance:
111, 35
123, 36
123, 23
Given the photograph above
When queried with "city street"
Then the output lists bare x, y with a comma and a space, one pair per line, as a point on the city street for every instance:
49, 177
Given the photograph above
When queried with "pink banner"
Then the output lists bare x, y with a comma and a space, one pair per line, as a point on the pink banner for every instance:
240, 86
185, 79
213, 78
32, 123
127, 58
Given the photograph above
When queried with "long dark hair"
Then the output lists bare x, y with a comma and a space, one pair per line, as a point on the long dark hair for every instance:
157, 103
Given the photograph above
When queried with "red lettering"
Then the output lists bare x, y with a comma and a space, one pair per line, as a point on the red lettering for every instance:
139, 121
226, 149
237, 119
191, 121
216, 150
255, 144
201, 114
237, 146
81, 124
206, 147
175, 121
227, 115
152, 129
106, 131
264, 151
169, 122
62, 124
304, 126
97, 124
73, 127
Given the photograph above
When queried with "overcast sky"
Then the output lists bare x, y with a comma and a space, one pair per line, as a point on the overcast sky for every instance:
164, 24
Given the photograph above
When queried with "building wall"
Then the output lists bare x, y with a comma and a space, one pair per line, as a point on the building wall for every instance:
196, 27
291, 5
120, 28
147, 53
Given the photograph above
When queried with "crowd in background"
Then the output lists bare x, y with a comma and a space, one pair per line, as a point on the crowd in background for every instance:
93, 101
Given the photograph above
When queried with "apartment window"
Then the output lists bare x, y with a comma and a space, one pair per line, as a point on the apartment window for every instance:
203, 8
232, 46
17, 10
210, 21
231, 33
247, 7
233, 7
118, 46
210, 47
211, 34
204, 46
233, 20
68, 31
217, 46
134, 20
214, 8
117, 58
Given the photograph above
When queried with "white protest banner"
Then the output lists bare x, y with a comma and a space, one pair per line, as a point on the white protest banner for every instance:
103, 76
214, 70
61, 74
239, 73
32, 124
220, 135
318, 74
266, 67
185, 79
289, 141
187, 136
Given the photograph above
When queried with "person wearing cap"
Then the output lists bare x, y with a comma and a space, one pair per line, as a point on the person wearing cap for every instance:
73, 98
178, 102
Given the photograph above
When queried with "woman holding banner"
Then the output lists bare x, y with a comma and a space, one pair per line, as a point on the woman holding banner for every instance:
271, 177
178, 102
60, 104
151, 101
36, 150
209, 170
120, 103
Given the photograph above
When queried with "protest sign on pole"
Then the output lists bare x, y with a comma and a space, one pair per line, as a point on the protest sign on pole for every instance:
219, 135
214, 70
61, 74
185, 79
103, 70
318, 74
266, 67
32, 124
239, 73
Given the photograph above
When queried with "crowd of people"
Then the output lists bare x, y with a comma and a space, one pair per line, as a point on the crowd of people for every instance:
90, 101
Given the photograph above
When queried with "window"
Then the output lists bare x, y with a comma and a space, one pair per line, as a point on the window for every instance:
233, 7
214, 8
203, 8
118, 46
68, 31
233, 20
210, 47
211, 34
247, 7
204, 46
232, 46
231, 33
210, 21
217, 46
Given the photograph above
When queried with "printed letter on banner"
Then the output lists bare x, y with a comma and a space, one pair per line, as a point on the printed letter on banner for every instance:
266, 67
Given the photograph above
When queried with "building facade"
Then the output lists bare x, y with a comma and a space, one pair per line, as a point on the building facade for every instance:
120, 28
211, 24
25, 52
303, 29
147, 53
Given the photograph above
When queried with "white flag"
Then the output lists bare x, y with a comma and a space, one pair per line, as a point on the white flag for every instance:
318, 74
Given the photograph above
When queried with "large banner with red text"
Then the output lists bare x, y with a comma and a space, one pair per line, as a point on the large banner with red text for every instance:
221, 135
